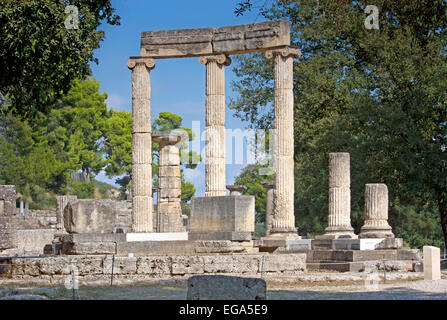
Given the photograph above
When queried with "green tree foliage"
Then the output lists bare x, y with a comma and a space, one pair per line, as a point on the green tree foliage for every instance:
39, 57
252, 180
377, 94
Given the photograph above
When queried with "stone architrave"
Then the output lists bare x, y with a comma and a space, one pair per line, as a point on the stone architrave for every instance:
8, 225
61, 203
142, 202
169, 210
268, 206
161, 44
215, 124
339, 221
376, 212
283, 218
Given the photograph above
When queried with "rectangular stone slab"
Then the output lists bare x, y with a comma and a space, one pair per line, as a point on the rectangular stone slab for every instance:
229, 40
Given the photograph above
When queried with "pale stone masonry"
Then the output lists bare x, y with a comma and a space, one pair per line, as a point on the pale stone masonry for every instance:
169, 212
61, 203
283, 218
215, 124
376, 212
8, 225
268, 206
432, 263
235, 190
142, 202
339, 221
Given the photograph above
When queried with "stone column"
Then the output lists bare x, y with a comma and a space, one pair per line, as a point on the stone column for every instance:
142, 202
283, 218
215, 124
61, 203
269, 206
169, 182
155, 212
339, 221
376, 212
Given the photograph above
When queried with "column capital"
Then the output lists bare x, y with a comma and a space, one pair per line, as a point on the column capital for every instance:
284, 52
268, 184
219, 58
133, 61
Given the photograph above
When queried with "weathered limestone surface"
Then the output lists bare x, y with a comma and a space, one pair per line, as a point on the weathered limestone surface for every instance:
90, 216
206, 41
432, 263
339, 221
269, 206
215, 124
142, 202
222, 214
8, 225
221, 287
61, 203
283, 218
169, 214
32, 242
235, 190
376, 212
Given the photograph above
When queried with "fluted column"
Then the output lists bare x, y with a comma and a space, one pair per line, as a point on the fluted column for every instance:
283, 218
268, 206
339, 221
376, 212
215, 124
142, 202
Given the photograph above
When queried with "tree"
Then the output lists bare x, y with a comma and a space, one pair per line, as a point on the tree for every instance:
117, 148
374, 93
39, 56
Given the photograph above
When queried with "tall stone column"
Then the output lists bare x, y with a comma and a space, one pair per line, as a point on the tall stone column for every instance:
269, 206
215, 124
339, 221
376, 212
142, 203
283, 218
169, 210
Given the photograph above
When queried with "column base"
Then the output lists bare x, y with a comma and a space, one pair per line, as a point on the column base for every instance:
376, 234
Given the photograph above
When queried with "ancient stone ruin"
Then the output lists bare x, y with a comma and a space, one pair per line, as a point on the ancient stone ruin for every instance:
137, 242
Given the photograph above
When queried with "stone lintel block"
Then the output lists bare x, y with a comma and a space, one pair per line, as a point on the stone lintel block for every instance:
93, 237
220, 287
232, 236
206, 41
222, 214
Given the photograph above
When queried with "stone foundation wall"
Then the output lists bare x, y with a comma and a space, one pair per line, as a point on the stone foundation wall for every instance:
58, 268
37, 219
32, 242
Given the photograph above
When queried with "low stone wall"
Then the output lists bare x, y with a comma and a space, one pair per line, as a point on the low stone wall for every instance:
37, 219
56, 269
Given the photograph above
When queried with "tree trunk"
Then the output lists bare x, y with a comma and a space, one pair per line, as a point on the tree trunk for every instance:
442, 208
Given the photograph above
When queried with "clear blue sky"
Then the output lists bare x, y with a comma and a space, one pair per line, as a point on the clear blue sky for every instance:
178, 85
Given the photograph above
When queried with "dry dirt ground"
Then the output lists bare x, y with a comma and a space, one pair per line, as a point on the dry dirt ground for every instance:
408, 290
